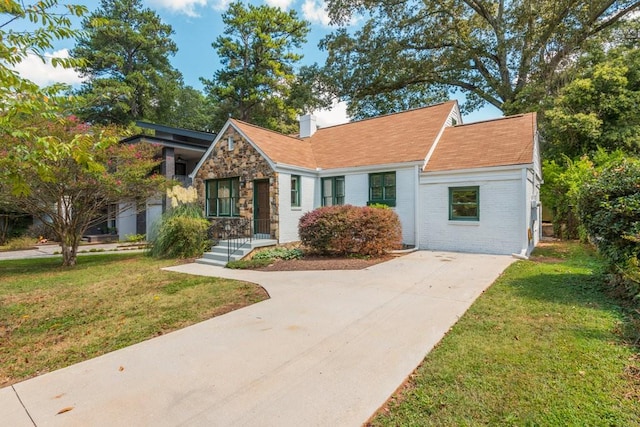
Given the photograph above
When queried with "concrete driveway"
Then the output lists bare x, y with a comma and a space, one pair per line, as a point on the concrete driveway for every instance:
328, 348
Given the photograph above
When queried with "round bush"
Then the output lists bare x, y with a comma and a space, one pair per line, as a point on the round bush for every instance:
344, 230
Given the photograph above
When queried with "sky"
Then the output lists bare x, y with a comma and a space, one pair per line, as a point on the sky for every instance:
196, 24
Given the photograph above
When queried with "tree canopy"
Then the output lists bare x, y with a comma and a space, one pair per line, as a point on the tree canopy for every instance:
51, 21
504, 53
72, 172
597, 109
126, 50
258, 56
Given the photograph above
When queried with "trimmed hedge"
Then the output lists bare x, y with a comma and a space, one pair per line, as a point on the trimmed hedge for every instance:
344, 230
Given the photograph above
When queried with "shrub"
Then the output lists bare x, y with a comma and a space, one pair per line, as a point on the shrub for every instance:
247, 264
344, 230
135, 238
20, 243
279, 253
181, 237
609, 208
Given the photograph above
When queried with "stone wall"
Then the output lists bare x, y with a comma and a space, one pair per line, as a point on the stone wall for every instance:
245, 162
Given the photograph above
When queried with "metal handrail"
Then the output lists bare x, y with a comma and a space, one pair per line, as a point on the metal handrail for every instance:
237, 232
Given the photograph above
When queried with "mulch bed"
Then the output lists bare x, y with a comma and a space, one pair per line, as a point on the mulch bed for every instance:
325, 263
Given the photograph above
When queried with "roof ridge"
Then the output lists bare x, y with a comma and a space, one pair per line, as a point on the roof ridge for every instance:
266, 129
388, 114
495, 119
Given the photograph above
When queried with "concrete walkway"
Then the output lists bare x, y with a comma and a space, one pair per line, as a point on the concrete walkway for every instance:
50, 251
327, 349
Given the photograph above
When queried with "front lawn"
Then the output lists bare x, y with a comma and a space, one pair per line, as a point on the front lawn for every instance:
52, 317
541, 347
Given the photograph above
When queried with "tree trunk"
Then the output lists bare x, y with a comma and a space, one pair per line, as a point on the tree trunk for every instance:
69, 246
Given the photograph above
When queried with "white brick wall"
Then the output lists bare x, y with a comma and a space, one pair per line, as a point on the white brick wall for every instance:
289, 216
357, 194
405, 204
500, 228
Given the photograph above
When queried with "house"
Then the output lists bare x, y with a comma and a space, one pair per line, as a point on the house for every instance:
459, 187
181, 149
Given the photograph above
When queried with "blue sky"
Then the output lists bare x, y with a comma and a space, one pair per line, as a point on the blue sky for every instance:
196, 24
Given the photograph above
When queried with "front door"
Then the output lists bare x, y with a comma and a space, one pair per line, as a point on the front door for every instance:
261, 209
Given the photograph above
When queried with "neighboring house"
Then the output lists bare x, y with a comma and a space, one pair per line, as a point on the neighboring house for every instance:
455, 187
181, 151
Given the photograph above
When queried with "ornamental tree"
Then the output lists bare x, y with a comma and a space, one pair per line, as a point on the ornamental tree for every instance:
66, 174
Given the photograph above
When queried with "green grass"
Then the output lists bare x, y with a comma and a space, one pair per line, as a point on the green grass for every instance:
540, 348
52, 317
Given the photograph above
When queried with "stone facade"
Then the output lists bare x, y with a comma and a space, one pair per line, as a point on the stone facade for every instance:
246, 163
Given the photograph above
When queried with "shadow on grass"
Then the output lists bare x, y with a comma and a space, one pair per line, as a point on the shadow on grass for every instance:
44, 265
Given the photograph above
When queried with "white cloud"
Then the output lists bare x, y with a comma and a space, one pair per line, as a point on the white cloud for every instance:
44, 74
335, 115
221, 4
188, 7
316, 11
282, 4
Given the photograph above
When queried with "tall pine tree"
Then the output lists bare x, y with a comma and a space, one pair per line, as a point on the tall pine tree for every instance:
126, 49
258, 56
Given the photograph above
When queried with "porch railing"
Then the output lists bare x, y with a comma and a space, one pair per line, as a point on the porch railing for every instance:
237, 232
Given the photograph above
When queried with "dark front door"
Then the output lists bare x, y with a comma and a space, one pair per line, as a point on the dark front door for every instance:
261, 209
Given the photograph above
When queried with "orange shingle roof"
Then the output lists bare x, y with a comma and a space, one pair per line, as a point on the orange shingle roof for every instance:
394, 138
403, 137
278, 147
500, 142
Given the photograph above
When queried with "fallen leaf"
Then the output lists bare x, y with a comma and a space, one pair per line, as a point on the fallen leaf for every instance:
121, 368
63, 410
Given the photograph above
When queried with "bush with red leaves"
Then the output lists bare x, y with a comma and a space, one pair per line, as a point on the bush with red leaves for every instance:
347, 230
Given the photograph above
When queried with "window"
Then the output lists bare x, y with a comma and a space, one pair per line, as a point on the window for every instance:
333, 191
464, 203
295, 191
222, 197
230, 143
382, 188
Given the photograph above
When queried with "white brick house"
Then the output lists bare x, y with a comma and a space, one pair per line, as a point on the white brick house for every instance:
472, 188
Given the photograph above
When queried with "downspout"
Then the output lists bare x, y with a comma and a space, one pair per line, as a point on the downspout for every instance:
416, 207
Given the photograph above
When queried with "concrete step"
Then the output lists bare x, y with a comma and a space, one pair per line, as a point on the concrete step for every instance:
208, 261
219, 253
222, 250
255, 243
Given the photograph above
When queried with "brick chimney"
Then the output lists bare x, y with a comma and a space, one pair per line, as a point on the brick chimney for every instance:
307, 125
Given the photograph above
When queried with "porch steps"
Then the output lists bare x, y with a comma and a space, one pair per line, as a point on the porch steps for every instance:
218, 254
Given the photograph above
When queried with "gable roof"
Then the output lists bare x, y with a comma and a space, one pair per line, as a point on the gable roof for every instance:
278, 147
394, 138
499, 142
418, 135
